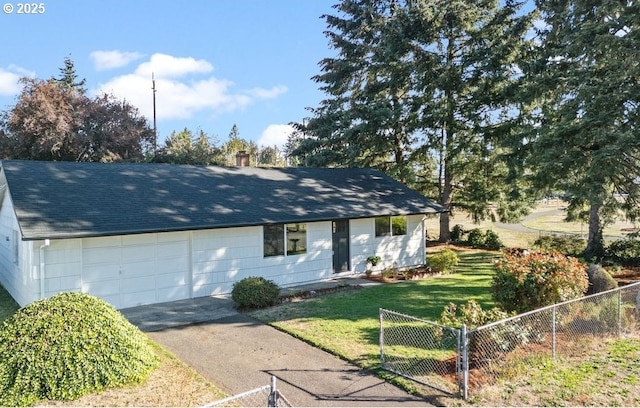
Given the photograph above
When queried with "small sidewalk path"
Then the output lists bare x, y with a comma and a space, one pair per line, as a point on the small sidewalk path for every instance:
239, 353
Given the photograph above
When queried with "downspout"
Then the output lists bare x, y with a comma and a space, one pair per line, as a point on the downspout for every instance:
47, 242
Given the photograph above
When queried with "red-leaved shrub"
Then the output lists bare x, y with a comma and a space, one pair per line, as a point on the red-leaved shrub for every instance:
526, 281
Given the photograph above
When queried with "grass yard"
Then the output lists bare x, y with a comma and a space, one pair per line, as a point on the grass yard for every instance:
346, 324
173, 384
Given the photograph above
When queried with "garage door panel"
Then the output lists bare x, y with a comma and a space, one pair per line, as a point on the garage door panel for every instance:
100, 255
175, 265
138, 253
173, 293
99, 273
168, 250
171, 279
138, 284
137, 269
102, 289
102, 242
138, 298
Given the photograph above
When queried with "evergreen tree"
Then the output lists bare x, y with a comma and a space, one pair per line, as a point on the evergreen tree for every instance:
587, 89
186, 148
69, 78
417, 86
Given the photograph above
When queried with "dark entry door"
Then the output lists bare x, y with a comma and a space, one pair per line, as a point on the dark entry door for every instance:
340, 240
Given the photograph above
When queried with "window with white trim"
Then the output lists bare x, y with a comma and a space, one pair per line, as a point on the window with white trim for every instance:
284, 239
391, 226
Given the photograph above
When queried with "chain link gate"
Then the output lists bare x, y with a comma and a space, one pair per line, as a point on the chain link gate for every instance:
457, 360
265, 396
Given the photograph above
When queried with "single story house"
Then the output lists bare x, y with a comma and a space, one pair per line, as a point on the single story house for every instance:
136, 234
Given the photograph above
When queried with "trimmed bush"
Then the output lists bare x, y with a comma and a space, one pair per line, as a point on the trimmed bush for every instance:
624, 252
492, 241
599, 279
476, 238
444, 261
527, 281
67, 346
255, 292
568, 245
457, 234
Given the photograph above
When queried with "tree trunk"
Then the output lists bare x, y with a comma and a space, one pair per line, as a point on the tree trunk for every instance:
595, 242
445, 201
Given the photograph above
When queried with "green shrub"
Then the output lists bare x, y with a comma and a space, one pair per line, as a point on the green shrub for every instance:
255, 292
444, 261
373, 260
492, 241
67, 346
599, 279
485, 344
568, 245
624, 252
457, 234
527, 281
476, 238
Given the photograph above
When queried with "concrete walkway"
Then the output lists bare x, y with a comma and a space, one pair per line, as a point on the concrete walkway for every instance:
239, 353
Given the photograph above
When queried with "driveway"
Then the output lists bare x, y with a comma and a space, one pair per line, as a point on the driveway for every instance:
239, 353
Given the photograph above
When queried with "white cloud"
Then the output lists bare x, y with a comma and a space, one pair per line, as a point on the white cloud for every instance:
105, 60
9, 78
167, 66
267, 93
181, 93
275, 135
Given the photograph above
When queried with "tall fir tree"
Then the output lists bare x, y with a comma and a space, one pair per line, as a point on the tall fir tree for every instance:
68, 78
587, 89
417, 86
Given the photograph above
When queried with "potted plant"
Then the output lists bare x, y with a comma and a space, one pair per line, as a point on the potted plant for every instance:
373, 260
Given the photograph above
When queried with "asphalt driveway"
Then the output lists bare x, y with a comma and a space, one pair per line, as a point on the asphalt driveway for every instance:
239, 353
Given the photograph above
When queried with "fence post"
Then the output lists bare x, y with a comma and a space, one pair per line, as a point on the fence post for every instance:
381, 338
619, 312
553, 332
273, 393
465, 361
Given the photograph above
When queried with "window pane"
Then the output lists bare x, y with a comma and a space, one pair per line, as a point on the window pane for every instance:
273, 240
399, 225
382, 226
296, 239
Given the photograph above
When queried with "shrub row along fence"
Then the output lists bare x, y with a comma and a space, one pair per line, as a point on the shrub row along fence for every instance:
461, 360
265, 396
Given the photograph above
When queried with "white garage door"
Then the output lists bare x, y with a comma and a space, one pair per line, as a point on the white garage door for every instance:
134, 270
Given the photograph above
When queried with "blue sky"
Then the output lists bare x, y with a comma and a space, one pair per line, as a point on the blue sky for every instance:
216, 62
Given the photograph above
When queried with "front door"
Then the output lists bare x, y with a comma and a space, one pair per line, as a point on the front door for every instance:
340, 244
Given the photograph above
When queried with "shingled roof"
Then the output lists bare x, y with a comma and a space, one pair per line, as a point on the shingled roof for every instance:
69, 200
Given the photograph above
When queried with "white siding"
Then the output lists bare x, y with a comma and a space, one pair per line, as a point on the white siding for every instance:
150, 268
18, 275
132, 270
401, 251
222, 257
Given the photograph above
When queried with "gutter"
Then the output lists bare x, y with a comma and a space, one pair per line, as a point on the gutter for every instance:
47, 242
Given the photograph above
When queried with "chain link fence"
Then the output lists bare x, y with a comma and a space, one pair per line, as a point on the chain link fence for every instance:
265, 396
461, 360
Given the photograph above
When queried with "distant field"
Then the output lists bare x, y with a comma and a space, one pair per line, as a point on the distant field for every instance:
544, 219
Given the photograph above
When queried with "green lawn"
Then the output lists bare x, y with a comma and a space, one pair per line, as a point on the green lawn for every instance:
347, 323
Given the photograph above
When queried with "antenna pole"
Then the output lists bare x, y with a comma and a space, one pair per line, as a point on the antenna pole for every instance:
155, 129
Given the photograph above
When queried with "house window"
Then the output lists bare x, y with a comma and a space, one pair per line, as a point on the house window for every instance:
285, 239
391, 226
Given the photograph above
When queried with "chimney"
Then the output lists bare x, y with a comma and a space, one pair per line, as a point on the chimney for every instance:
242, 159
